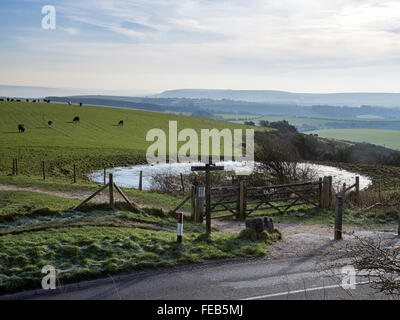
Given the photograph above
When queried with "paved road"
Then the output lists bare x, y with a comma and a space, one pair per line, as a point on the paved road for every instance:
295, 278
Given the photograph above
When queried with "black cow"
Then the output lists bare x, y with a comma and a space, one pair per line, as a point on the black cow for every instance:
121, 123
50, 123
76, 119
80, 104
21, 128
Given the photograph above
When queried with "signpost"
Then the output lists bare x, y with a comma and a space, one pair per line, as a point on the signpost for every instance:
208, 168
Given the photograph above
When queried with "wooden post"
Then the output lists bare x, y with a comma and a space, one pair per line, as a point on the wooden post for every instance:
380, 191
111, 189
398, 229
140, 180
43, 171
16, 166
208, 200
338, 217
13, 167
90, 197
325, 192
320, 192
74, 173
358, 190
193, 202
200, 203
344, 189
105, 178
330, 188
242, 200
182, 184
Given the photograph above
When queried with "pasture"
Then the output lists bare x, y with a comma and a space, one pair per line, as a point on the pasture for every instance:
95, 142
386, 138
84, 245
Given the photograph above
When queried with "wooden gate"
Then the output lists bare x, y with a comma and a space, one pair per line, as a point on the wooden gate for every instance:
225, 199
241, 201
282, 197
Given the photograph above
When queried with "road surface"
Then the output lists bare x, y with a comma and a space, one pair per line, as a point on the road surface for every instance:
299, 278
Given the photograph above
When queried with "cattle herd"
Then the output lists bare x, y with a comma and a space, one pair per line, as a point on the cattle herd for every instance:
21, 127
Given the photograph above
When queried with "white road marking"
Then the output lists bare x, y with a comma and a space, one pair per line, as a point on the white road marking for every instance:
299, 291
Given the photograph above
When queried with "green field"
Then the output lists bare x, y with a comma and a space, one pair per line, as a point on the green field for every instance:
308, 124
95, 142
386, 138
84, 245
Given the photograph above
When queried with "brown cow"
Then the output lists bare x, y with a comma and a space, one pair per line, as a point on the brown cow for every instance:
21, 128
121, 123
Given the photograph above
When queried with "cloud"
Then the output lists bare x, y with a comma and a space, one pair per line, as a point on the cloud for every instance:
224, 42
137, 26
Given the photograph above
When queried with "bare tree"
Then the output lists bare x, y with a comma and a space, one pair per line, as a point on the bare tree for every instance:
376, 260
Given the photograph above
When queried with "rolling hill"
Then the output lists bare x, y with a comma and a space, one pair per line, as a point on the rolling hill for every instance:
95, 142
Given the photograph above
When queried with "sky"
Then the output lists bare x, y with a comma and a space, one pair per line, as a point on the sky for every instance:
148, 46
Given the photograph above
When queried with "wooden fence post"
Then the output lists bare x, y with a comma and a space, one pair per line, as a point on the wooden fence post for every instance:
13, 167
380, 191
242, 200
43, 171
358, 190
200, 194
140, 180
16, 166
338, 217
105, 178
320, 192
330, 188
344, 189
182, 184
193, 202
398, 229
74, 173
325, 192
111, 189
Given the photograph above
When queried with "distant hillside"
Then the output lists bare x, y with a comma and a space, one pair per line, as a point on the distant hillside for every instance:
187, 106
282, 97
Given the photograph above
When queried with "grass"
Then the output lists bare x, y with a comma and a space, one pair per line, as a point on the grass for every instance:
97, 242
146, 198
22, 203
351, 217
386, 138
94, 143
91, 252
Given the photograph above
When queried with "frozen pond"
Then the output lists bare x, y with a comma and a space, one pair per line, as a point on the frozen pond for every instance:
128, 177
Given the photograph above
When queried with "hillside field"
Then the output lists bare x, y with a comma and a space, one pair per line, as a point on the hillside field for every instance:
96, 142
308, 124
386, 138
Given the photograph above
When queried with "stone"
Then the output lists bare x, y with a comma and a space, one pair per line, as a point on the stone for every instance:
268, 224
256, 224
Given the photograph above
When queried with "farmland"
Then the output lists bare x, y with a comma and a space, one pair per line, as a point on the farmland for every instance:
308, 124
96, 142
387, 138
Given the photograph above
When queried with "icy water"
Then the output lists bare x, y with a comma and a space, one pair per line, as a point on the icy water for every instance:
128, 177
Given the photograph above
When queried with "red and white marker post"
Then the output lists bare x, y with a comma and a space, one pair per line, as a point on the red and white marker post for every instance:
180, 227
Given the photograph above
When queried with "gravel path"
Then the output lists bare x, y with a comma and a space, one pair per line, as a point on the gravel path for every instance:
305, 240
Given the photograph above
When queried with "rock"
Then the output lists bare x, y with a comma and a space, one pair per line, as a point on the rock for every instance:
256, 224
268, 224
